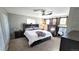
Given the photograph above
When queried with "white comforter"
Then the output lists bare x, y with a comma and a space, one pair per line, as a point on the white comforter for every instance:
32, 36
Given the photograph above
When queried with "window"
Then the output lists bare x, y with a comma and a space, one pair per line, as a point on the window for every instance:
47, 21
54, 21
63, 21
29, 21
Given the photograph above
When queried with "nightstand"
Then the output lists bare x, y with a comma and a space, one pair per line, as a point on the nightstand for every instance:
19, 34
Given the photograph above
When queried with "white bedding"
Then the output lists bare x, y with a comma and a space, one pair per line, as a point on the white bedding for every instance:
32, 36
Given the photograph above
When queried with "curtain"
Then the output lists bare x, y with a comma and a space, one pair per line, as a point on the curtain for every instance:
5, 29
58, 21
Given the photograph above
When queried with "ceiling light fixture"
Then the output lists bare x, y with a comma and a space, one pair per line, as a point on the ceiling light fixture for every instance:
44, 12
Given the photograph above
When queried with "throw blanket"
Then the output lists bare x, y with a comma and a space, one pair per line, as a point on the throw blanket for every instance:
40, 34
32, 35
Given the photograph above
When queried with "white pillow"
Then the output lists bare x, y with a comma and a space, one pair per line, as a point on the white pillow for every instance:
29, 29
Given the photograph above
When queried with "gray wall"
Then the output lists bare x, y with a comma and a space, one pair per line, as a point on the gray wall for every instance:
73, 20
16, 21
4, 28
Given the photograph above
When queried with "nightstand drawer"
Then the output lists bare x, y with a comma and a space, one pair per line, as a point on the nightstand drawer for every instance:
19, 34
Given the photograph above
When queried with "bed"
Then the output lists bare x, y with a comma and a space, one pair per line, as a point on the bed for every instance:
34, 35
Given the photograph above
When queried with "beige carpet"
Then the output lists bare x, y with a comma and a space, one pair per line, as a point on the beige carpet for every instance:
21, 44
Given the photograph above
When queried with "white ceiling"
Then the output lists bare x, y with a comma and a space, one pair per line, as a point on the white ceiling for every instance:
28, 11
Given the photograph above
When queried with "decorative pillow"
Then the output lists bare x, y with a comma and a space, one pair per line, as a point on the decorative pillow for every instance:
35, 28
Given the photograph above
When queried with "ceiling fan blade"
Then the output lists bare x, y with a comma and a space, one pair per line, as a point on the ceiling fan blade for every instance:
35, 10
43, 13
50, 13
38, 10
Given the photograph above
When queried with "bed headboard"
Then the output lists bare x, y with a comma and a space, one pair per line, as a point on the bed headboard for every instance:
29, 26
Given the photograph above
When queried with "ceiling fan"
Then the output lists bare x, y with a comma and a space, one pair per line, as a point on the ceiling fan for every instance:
44, 12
